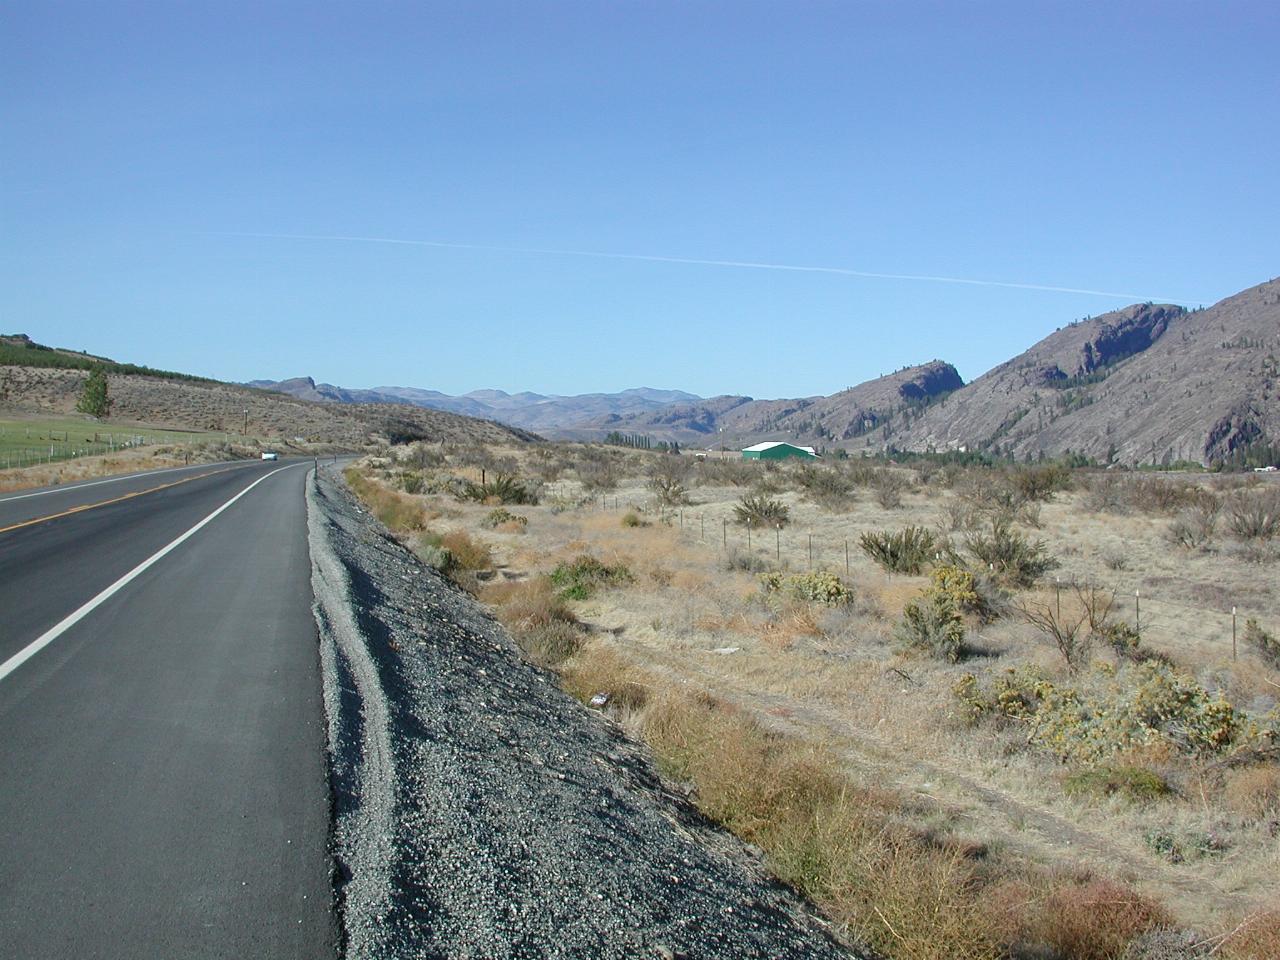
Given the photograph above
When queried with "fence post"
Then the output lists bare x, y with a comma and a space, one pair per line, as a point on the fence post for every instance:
1137, 613
811, 551
777, 543
702, 527
846, 556
1057, 590
724, 534
1233, 634
748, 535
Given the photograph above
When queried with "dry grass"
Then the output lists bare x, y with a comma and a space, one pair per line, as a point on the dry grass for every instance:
833, 679
1093, 920
1256, 938
540, 621
1254, 793
468, 553
398, 512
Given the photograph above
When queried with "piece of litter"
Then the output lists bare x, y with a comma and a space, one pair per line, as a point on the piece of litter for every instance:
726, 649
599, 700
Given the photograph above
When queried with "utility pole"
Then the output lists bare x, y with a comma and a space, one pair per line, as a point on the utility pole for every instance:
246, 421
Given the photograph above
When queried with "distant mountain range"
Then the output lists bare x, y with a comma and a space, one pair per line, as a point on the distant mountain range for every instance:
530, 411
1149, 383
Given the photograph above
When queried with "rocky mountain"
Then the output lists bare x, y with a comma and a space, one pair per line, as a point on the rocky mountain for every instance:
532, 411
832, 421
1151, 383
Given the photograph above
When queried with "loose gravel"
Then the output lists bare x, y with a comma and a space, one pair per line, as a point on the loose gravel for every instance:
481, 812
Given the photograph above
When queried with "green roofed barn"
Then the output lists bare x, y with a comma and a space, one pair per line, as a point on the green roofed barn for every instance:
777, 450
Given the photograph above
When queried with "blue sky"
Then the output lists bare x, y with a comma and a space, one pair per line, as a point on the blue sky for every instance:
147, 147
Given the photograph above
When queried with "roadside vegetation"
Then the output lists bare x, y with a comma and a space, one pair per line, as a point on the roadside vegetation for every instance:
971, 711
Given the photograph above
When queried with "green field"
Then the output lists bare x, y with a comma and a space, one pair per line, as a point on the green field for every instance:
24, 442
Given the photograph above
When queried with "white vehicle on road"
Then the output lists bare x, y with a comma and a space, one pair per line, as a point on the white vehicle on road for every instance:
270, 455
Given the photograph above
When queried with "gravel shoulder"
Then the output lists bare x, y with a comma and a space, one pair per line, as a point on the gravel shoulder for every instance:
481, 812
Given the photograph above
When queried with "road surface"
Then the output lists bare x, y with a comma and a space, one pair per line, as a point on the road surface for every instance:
163, 791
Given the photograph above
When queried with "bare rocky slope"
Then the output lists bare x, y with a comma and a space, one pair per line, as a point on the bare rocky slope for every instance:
210, 405
1152, 383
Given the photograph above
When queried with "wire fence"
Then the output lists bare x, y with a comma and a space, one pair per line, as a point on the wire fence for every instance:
1213, 633
56, 446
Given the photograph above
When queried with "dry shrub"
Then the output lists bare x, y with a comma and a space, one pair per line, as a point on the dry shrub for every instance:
1254, 793
889, 888
468, 553
687, 581
790, 623
396, 511
599, 668
542, 624
1089, 920
1254, 515
1256, 938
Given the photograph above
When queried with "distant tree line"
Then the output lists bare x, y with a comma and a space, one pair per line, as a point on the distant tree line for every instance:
37, 355
640, 441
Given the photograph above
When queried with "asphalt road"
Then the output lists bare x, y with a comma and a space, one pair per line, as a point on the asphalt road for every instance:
162, 783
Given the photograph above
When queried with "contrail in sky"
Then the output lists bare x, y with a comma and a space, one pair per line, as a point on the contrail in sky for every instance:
745, 264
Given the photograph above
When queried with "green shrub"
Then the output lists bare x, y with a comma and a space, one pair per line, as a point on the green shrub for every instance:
816, 587
581, 577
1110, 711
1137, 784
1264, 644
906, 551
1010, 556
1181, 846
633, 519
759, 510
932, 623
503, 488
828, 486
434, 555
496, 518
411, 482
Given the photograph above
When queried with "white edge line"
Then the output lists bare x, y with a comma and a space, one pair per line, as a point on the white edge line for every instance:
46, 638
66, 488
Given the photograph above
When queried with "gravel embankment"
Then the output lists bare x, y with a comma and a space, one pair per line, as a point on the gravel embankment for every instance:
481, 812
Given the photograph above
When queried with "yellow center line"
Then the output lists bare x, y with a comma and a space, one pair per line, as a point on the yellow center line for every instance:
103, 503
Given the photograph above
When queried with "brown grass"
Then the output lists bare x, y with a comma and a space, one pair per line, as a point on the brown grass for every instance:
1090, 920
468, 553
1254, 793
542, 624
1256, 938
910, 895
398, 512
